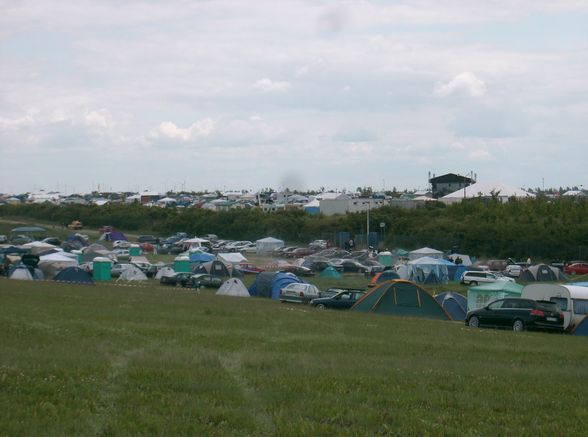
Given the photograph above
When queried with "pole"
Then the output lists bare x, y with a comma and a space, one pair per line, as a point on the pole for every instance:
368, 226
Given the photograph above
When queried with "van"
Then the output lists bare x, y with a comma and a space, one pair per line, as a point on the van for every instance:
470, 277
571, 299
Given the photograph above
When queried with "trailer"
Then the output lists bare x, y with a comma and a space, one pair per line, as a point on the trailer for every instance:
572, 300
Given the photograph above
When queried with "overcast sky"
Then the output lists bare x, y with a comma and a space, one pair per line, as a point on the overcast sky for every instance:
219, 94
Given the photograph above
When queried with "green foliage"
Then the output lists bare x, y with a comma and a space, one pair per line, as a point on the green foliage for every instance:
539, 228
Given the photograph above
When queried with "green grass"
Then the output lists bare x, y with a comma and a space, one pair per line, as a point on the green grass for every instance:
119, 360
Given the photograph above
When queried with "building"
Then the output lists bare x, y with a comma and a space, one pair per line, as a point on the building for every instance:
448, 183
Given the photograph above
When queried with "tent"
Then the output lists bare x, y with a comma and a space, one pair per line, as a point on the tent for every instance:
429, 270
37, 247
581, 328
386, 275
21, 272
132, 273
267, 245
425, 251
482, 189
543, 273
74, 274
214, 268
269, 284
454, 272
480, 295
330, 272
465, 259
114, 236
455, 304
201, 257
233, 287
402, 298
232, 257
53, 263
164, 271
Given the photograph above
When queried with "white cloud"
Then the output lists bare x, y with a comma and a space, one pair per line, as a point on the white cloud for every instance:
269, 86
8, 124
201, 128
464, 84
101, 119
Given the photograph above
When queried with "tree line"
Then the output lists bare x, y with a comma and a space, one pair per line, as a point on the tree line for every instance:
539, 228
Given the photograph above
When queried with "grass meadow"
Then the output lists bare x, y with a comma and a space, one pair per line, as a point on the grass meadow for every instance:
119, 360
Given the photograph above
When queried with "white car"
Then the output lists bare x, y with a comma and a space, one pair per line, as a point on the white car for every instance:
299, 293
476, 277
513, 270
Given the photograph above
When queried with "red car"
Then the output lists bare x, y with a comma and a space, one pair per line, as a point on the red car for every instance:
576, 269
249, 268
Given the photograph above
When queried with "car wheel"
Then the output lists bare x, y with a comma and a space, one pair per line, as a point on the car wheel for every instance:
474, 283
321, 306
518, 326
474, 322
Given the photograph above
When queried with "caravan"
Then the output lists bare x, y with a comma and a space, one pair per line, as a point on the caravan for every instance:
572, 299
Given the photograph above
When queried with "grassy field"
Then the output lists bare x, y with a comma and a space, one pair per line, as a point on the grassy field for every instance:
118, 360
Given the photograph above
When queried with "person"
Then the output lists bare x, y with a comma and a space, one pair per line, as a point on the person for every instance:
351, 245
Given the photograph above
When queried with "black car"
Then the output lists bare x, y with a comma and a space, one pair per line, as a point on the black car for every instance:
181, 278
148, 239
204, 280
518, 314
343, 300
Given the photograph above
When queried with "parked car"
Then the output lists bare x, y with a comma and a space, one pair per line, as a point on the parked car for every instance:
319, 244
249, 268
470, 277
121, 253
147, 239
297, 270
343, 300
121, 244
204, 280
518, 314
178, 278
513, 270
351, 265
576, 269
299, 293
301, 252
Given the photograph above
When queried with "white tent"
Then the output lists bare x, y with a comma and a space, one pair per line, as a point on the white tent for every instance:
164, 271
486, 189
268, 245
21, 273
54, 262
37, 247
465, 259
233, 287
232, 258
425, 251
132, 273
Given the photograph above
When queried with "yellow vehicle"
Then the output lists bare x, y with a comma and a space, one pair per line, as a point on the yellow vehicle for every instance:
75, 225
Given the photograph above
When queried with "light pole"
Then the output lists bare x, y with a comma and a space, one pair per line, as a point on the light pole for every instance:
368, 226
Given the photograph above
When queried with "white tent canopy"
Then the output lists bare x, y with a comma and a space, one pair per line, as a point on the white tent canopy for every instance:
231, 258
268, 245
486, 189
132, 273
425, 251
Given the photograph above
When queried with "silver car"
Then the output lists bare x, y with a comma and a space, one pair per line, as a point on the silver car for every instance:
299, 293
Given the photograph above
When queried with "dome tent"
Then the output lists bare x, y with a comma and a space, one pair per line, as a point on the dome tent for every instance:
74, 274
455, 304
269, 284
233, 287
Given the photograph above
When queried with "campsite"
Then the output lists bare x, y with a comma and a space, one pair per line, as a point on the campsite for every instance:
126, 356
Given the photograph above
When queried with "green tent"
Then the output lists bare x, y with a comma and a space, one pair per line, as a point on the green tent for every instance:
480, 295
330, 272
401, 298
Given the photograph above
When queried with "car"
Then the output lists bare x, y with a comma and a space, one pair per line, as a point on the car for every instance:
470, 277
204, 280
298, 292
513, 270
121, 244
351, 265
178, 278
319, 244
121, 253
343, 300
518, 314
249, 268
576, 269
149, 269
301, 252
147, 239
297, 270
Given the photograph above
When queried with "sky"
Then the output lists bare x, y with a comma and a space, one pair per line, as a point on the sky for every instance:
243, 95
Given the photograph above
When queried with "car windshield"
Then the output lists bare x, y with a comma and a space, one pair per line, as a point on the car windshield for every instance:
547, 306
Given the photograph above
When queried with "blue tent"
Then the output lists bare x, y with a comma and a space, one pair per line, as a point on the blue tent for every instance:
455, 304
269, 284
429, 270
74, 274
454, 272
581, 328
201, 257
